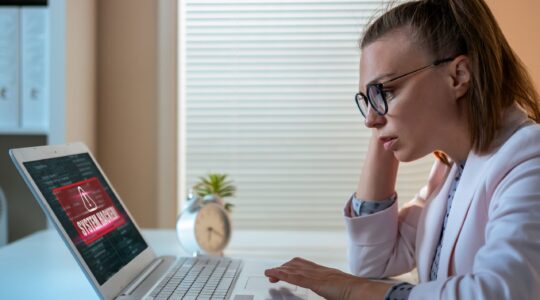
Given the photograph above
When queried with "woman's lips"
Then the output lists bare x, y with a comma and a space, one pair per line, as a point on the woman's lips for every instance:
388, 142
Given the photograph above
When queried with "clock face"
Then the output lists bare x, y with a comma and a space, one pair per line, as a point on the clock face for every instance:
212, 228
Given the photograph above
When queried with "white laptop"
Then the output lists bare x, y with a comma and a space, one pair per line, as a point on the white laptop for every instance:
107, 243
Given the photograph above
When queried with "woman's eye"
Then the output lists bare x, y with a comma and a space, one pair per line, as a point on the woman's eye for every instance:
388, 95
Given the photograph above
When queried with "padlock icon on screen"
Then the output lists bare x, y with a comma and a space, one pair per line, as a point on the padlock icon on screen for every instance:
87, 201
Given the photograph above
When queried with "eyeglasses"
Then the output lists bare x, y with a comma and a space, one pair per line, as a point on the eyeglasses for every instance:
376, 94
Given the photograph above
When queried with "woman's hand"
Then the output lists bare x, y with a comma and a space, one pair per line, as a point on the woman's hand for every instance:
379, 173
327, 282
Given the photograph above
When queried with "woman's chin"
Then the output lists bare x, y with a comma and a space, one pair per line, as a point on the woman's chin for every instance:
406, 156
403, 159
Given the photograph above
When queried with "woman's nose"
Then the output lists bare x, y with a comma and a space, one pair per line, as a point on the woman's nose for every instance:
373, 119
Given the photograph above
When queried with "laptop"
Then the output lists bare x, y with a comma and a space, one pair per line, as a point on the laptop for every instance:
75, 194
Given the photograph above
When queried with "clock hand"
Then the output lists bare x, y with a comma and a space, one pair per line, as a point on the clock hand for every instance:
215, 231
218, 233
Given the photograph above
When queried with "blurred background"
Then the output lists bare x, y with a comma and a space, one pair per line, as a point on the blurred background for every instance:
166, 91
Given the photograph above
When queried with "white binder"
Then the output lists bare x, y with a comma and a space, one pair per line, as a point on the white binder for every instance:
34, 66
9, 67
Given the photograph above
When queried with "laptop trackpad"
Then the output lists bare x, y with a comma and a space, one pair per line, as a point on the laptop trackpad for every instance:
257, 283
277, 291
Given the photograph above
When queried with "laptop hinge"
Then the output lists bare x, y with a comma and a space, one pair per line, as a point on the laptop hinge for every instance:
139, 279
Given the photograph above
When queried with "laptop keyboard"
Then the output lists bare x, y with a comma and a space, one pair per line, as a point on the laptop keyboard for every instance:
198, 278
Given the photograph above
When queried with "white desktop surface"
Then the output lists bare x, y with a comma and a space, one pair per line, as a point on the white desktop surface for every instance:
40, 266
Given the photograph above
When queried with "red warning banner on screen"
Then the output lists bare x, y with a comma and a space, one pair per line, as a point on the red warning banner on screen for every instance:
89, 208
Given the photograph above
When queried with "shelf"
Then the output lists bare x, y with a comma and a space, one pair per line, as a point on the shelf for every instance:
23, 131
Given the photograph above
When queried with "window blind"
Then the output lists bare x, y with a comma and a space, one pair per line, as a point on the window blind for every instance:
269, 88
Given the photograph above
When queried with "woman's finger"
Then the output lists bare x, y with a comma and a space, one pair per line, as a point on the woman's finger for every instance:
293, 275
301, 263
273, 279
304, 261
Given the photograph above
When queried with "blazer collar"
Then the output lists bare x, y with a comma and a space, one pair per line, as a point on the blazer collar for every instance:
429, 234
465, 192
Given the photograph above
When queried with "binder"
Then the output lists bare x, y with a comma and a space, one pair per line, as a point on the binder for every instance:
34, 66
9, 67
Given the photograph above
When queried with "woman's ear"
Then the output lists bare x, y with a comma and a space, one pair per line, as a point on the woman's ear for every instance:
461, 75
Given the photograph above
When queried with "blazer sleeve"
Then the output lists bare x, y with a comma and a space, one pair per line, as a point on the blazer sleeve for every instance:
383, 244
507, 266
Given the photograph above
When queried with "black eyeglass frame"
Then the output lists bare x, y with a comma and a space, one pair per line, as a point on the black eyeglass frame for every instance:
379, 86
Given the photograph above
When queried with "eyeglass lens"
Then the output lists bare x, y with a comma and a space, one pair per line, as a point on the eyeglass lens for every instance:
376, 99
362, 103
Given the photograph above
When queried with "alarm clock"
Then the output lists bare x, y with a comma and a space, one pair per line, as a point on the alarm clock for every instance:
203, 227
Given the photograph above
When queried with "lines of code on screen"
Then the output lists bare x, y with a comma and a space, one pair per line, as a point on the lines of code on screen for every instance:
89, 212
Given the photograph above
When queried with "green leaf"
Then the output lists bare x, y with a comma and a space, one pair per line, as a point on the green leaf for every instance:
215, 184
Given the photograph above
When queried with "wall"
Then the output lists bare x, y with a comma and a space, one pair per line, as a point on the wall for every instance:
135, 139
80, 95
127, 102
520, 24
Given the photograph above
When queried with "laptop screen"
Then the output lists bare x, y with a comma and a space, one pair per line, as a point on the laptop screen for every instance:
89, 212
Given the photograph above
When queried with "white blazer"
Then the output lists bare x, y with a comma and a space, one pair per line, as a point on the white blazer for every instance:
491, 245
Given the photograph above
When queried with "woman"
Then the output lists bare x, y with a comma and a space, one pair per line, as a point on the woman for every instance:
439, 77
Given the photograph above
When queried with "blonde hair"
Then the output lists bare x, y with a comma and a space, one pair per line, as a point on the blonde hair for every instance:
452, 27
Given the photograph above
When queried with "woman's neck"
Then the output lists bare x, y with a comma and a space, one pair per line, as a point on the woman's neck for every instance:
458, 142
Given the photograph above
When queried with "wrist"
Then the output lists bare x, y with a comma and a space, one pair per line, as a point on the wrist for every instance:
390, 198
368, 289
379, 173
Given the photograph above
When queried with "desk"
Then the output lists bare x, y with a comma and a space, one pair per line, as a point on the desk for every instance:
40, 266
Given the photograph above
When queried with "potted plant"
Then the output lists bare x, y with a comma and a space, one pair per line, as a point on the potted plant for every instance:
216, 187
